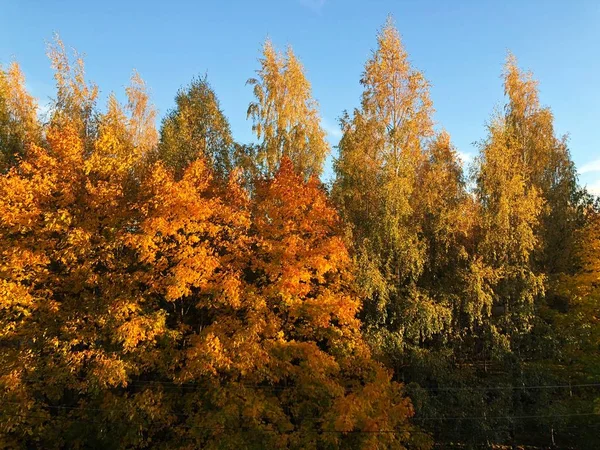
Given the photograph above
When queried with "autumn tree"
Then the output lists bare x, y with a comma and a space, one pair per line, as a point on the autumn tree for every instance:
197, 128
70, 305
264, 347
527, 187
126, 135
267, 347
19, 125
381, 156
510, 216
75, 101
530, 131
515, 237
74, 323
301, 269
520, 170
285, 116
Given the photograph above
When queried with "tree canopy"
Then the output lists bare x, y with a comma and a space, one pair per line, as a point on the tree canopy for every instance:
174, 288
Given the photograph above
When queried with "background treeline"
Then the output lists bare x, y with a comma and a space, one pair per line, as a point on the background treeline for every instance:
175, 288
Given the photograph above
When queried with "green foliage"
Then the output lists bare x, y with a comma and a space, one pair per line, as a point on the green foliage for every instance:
401, 192
196, 128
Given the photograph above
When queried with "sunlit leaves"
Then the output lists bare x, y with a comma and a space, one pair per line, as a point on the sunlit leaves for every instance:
285, 117
19, 125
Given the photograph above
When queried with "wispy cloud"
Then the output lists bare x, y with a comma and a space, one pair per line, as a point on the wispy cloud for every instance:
592, 166
332, 130
314, 5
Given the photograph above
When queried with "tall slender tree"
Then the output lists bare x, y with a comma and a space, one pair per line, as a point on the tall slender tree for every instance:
530, 131
285, 116
527, 186
381, 155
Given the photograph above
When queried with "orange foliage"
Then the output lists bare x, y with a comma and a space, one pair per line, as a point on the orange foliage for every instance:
145, 308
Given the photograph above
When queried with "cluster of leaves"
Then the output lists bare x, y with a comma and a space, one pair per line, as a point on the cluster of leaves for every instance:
176, 289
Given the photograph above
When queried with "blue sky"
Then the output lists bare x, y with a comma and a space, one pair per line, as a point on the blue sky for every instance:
459, 45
